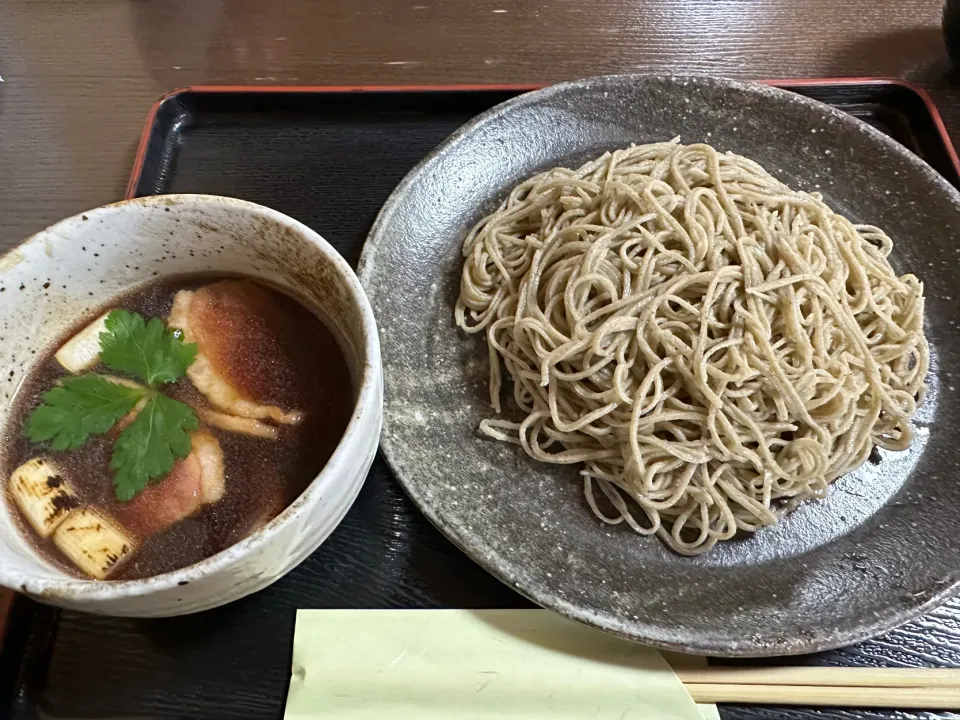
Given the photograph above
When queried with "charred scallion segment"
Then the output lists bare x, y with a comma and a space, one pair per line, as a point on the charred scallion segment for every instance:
154, 426
82, 352
94, 543
43, 494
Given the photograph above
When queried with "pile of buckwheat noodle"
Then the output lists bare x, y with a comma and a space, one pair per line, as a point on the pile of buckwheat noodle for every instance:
711, 345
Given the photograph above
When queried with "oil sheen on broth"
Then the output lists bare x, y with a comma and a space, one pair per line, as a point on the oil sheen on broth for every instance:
279, 354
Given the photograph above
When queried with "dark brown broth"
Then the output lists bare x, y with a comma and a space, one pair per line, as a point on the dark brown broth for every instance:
262, 476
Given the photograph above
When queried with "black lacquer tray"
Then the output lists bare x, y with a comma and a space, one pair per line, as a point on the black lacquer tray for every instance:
330, 157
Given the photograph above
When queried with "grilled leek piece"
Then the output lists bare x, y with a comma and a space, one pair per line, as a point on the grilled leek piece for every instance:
94, 543
82, 351
42, 494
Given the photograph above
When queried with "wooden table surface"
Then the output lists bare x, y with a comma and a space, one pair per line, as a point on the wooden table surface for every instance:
78, 76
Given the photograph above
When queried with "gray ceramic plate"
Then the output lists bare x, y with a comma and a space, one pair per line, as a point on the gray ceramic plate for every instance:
879, 551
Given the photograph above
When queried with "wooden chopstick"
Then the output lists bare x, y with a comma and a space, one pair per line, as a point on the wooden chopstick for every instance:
927, 698
824, 676
903, 688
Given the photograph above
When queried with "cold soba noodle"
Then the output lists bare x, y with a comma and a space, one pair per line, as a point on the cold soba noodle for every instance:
713, 346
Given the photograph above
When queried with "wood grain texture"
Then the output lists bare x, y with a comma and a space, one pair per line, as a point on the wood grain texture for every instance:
79, 75
78, 79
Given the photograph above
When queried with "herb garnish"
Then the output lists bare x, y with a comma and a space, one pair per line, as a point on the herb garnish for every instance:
149, 446
91, 404
149, 351
78, 408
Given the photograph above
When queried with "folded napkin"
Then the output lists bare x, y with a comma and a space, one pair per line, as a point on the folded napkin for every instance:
475, 665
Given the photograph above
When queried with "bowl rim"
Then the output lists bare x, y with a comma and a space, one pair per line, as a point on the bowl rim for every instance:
368, 393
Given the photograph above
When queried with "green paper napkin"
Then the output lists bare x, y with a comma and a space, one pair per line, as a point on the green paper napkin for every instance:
475, 665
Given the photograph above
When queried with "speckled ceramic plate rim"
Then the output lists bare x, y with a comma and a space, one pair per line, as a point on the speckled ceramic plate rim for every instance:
502, 567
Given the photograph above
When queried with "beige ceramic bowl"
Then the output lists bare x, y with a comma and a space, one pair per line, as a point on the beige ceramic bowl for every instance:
65, 272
